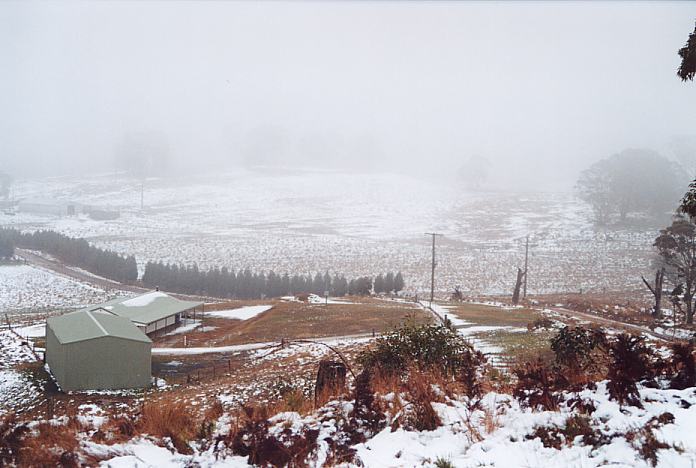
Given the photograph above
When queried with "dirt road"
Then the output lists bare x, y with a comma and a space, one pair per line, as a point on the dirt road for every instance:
82, 276
60, 268
611, 323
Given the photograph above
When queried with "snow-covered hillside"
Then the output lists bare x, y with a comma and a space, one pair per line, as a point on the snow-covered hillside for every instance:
352, 223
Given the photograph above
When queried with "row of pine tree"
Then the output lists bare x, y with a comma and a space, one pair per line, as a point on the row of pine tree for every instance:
246, 284
217, 282
74, 251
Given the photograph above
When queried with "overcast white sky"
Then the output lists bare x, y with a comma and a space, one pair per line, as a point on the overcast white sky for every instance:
541, 89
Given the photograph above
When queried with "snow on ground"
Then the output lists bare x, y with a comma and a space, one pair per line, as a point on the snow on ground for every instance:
335, 340
240, 313
32, 331
299, 221
25, 288
314, 299
509, 444
444, 311
16, 385
186, 327
496, 432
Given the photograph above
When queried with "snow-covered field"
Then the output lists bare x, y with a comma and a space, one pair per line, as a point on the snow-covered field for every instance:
24, 288
240, 313
352, 223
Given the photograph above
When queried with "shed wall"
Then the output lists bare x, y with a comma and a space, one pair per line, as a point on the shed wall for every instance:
106, 363
55, 356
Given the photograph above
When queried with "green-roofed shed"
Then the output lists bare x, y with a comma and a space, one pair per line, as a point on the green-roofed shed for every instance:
97, 350
151, 312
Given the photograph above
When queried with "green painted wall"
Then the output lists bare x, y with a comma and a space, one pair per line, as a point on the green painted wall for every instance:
104, 363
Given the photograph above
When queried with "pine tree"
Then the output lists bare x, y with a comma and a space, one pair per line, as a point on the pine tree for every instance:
398, 282
389, 282
380, 285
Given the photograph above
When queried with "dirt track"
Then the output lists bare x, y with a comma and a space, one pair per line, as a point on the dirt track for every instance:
613, 323
84, 277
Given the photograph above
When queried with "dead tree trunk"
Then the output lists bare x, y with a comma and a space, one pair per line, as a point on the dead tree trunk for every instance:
518, 285
331, 379
656, 291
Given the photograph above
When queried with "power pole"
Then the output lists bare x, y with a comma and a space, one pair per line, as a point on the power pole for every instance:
432, 271
526, 262
142, 194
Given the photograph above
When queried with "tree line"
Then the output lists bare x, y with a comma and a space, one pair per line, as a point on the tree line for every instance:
247, 284
634, 182
189, 279
73, 251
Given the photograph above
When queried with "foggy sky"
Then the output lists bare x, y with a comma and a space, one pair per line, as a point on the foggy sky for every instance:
540, 89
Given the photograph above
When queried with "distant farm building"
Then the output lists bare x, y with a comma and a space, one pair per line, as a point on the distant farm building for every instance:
96, 350
150, 312
49, 207
106, 346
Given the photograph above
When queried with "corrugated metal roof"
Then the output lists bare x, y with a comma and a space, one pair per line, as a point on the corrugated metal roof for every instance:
146, 308
86, 325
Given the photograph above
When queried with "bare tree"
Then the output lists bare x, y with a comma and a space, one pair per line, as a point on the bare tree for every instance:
457, 294
676, 246
656, 290
518, 285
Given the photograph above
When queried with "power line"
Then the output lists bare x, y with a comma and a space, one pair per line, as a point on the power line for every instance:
432, 273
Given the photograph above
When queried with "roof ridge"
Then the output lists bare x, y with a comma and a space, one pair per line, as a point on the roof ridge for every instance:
89, 312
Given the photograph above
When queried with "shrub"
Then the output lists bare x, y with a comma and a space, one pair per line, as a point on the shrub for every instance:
630, 362
574, 427
11, 434
441, 462
365, 412
540, 323
683, 366
575, 349
427, 348
421, 415
537, 384
253, 440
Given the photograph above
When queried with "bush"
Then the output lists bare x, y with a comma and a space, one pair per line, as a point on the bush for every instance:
253, 440
575, 348
11, 434
427, 348
540, 323
630, 362
575, 426
683, 366
537, 384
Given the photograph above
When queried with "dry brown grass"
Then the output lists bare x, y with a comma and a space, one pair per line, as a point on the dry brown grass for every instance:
479, 314
300, 320
169, 419
52, 445
490, 421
